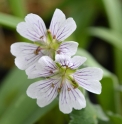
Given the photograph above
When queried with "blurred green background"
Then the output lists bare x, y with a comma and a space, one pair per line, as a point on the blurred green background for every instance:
99, 34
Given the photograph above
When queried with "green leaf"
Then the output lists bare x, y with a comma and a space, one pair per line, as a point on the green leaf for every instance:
84, 116
88, 115
15, 106
109, 36
10, 88
100, 114
19, 6
9, 20
114, 13
115, 118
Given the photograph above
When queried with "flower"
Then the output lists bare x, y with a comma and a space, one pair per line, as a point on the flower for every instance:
45, 42
63, 79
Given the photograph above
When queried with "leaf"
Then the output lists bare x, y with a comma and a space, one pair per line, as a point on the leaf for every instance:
84, 116
88, 115
10, 88
115, 118
100, 114
15, 106
108, 35
9, 20
113, 10
19, 6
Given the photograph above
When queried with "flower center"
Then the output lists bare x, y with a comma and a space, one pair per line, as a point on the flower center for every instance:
50, 46
51, 41
66, 73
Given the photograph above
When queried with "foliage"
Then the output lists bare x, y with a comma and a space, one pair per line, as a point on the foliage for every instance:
17, 108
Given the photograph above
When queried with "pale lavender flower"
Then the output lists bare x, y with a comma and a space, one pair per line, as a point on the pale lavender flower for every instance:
63, 79
45, 42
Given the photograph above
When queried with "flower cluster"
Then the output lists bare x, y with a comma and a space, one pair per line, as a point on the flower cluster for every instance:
48, 56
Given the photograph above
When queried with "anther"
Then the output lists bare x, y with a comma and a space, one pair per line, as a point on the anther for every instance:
68, 89
36, 52
58, 52
52, 85
41, 37
48, 31
51, 71
54, 37
59, 90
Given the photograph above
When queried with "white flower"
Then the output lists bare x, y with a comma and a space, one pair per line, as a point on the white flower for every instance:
45, 42
63, 78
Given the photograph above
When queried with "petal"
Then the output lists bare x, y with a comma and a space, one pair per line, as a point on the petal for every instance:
63, 60
45, 91
73, 63
89, 79
30, 71
25, 55
68, 48
66, 29
77, 61
57, 19
89, 73
33, 28
60, 27
22, 48
70, 98
23, 62
44, 68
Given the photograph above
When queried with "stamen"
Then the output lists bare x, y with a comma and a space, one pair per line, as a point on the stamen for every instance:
52, 85
59, 90
68, 89
75, 87
58, 52
48, 31
51, 71
41, 37
54, 36
36, 52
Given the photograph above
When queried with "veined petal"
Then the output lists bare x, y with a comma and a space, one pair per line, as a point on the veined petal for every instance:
44, 68
66, 29
70, 98
22, 48
89, 73
77, 61
60, 27
23, 62
73, 63
25, 54
68, 48
63, 60
33, 28
45, 91
57, 19
32, 69
88, 78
